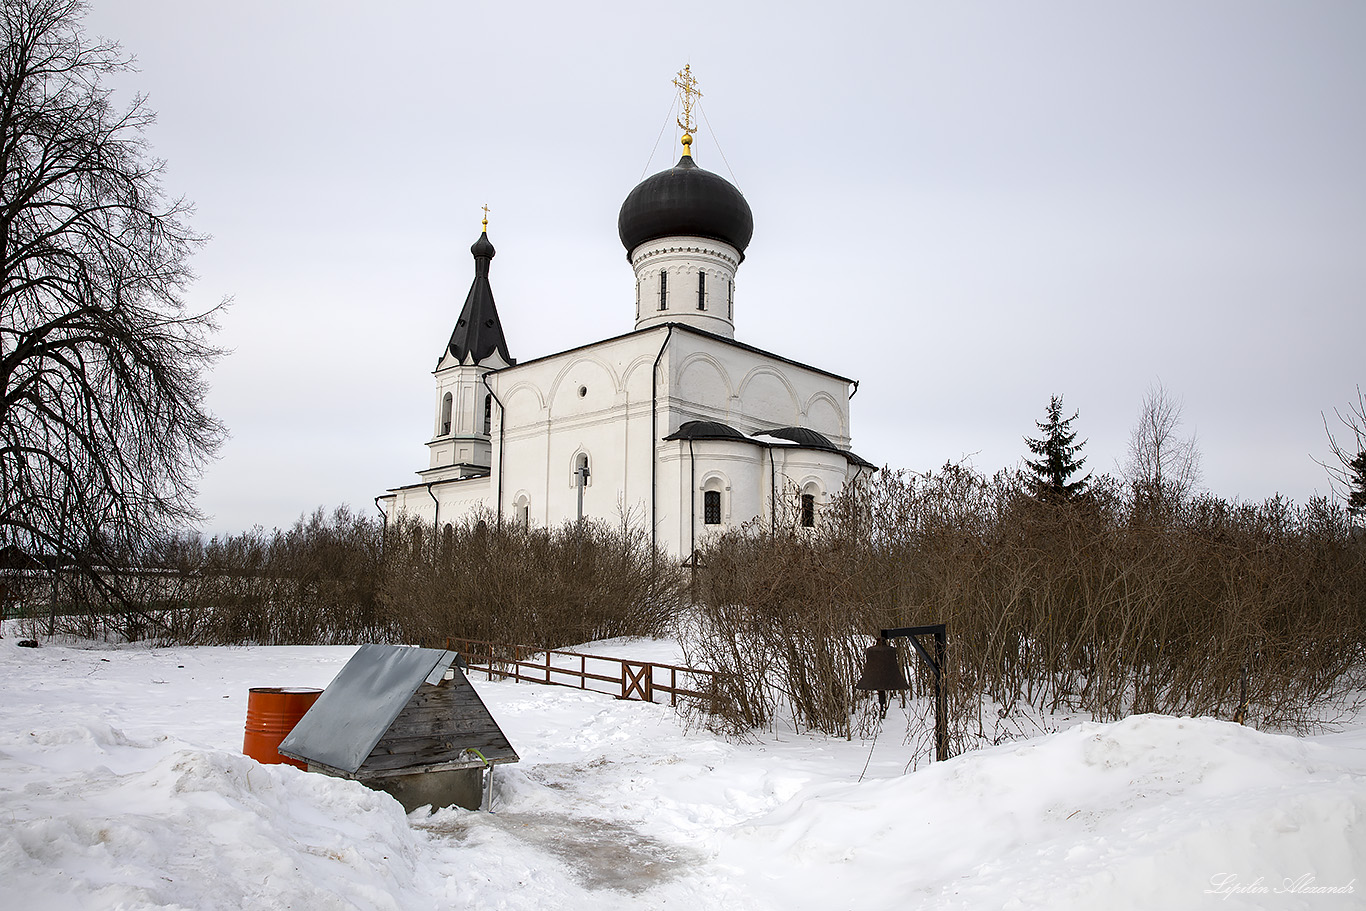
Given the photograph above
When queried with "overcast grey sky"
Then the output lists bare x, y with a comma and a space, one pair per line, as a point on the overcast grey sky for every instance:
966, 206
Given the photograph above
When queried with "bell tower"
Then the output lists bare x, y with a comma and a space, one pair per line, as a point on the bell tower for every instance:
464, 407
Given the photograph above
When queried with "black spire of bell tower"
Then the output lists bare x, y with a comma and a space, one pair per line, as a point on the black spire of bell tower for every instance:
478, 331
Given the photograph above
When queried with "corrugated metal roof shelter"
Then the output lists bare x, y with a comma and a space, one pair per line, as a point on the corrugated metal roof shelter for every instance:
406, 721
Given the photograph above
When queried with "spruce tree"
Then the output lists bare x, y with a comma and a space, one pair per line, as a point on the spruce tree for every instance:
1356, 480
1057, 451
1347, 467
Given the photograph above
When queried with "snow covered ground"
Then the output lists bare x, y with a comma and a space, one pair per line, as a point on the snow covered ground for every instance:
122, 786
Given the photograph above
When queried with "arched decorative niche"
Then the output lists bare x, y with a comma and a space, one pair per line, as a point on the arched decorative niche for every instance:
824, 415
581, 462
766, 391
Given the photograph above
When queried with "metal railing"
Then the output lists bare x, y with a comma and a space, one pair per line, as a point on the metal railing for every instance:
639, 680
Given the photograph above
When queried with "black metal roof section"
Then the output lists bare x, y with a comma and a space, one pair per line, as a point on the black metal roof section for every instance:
859, 460
800, 437
707, 430
357, 727
685, 200
807, 438
478, 331
804, 437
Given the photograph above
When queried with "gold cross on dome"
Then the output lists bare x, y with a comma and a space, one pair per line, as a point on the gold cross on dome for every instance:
688, 93
486, 218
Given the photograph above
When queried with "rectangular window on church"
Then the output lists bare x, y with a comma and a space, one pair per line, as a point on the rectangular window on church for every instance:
701, 290
808, 511
663, 289
711, 507
730, 300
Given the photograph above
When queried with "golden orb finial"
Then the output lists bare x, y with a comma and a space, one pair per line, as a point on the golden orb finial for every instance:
486, 218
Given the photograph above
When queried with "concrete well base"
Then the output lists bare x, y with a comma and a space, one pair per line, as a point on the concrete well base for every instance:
452, 787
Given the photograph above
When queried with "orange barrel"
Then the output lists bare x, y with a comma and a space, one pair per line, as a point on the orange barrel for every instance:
272, 712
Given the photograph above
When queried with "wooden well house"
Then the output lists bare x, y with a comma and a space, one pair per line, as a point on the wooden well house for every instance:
405, 721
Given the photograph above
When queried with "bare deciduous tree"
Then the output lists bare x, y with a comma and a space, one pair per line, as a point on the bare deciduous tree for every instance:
103, 428
1162, 463
1348, 468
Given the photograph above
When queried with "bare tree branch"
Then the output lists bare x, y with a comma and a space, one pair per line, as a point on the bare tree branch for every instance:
103, 429
1348, 467
1162, 464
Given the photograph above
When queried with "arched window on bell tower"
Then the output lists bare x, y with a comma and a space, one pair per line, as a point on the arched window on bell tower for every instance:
488, 415
446, 404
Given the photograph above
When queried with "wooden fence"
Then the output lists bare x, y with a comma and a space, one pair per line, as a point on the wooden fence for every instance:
630, 679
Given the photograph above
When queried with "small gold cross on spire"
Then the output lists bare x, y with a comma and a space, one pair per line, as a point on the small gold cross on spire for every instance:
486, 218
688, 95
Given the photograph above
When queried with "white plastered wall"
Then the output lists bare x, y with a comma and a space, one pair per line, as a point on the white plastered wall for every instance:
593, 401
597, 401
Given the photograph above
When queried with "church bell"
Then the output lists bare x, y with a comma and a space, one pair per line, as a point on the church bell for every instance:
882, 672
881, 669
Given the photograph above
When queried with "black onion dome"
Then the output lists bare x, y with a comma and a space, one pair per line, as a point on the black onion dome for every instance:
478, 330
483, 247
685, 200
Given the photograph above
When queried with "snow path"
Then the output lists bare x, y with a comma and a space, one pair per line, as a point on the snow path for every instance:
122, 786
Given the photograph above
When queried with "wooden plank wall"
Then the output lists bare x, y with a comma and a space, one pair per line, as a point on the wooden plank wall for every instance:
439, 722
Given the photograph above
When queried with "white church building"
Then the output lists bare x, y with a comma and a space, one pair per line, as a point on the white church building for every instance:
676, 424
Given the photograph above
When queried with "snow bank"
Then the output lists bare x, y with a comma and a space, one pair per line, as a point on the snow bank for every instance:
122, 786
1148, 812
192, 829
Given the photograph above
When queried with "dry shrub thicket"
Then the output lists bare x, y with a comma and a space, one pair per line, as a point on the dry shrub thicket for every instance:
544, 587
316, 583
1119, 601
344, 578
1113, 603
